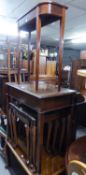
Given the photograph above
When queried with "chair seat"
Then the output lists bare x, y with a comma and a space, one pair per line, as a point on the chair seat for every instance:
77, 151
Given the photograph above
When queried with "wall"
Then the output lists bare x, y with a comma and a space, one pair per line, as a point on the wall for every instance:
69, 55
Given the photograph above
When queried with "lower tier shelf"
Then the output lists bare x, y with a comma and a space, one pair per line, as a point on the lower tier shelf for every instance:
51, 165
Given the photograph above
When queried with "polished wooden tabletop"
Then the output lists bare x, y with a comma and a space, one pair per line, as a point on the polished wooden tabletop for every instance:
46, 90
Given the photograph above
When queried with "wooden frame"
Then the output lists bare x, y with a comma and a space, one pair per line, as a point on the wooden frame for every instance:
75, 166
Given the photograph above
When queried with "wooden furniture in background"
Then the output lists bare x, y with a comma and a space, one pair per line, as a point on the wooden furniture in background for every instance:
7, 69
82, 73
76, 81
13, 77
47, 70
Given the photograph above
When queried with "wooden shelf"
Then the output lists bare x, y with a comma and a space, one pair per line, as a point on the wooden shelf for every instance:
50, 164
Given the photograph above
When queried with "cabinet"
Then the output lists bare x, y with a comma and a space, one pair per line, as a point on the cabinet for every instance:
40, 115
33, 118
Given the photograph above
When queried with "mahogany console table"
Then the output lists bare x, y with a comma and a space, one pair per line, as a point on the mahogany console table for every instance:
41, 15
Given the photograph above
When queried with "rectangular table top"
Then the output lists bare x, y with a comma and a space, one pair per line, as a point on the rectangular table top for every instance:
45, 89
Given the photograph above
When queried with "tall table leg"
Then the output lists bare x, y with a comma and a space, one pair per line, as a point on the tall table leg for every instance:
40, 127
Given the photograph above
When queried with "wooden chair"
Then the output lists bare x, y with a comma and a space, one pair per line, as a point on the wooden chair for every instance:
76, 157
77, 168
